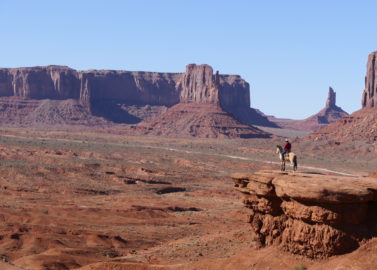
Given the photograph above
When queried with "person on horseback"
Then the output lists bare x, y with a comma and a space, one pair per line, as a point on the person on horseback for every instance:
287, 148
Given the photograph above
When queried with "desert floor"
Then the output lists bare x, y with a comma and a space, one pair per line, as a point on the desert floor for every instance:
87, 200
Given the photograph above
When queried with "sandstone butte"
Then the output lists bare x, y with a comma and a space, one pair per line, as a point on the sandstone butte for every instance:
61, 95
309, 214
200, 112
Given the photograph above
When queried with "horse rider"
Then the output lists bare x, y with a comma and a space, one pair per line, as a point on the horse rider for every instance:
287, 148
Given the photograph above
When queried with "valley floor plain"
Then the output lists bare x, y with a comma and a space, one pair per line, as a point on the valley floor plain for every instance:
72, 200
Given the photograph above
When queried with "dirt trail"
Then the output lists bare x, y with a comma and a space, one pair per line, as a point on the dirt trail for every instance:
200, 153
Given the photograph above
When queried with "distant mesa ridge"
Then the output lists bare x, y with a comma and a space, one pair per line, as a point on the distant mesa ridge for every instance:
127, 96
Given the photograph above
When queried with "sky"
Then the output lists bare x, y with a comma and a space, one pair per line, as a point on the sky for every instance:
289, 51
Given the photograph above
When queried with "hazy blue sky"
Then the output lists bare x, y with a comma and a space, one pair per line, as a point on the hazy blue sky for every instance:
289, 51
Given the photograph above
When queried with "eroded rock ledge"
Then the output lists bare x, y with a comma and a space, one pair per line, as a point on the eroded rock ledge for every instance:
310, 214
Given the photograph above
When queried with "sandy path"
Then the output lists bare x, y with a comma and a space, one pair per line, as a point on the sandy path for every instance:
196, 153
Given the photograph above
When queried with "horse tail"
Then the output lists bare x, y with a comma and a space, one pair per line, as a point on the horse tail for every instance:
295, 163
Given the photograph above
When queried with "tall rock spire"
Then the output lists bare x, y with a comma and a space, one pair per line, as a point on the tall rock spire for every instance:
369, 96
331, 99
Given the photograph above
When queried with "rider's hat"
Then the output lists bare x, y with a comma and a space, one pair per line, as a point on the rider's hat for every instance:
286, 139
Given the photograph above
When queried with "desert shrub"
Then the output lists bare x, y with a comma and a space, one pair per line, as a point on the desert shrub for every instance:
300, 267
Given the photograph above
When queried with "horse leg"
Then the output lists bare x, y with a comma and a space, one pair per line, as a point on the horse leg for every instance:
282, 167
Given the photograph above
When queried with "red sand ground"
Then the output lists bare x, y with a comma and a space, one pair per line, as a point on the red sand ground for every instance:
100, 201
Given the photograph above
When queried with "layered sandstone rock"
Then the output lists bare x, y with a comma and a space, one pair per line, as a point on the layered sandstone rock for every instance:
200, 112
132, 87
312, 215
199, 85
109, 93
52, 82
369, 96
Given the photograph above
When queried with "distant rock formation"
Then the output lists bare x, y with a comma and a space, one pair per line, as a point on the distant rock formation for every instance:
199, 85
331, 99
196, 120
369, 96
113, 95
327, 115
331, 112
52, 82
200, 112
360, 125
312, 215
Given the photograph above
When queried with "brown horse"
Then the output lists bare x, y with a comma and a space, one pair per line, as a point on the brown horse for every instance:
291, 157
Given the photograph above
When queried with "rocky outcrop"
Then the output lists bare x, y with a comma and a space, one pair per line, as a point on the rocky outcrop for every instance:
231, 92
130, 87
200, 112
109, 93
331, 99
360, 125
312, 215
329, 114
199, 85
369, 96
52, 82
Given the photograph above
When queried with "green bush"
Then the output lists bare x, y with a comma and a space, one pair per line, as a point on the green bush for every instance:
300, 267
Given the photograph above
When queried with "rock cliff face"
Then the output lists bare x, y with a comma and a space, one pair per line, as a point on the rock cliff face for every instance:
200, 112
369, 96
199, 85
57, 82
52, 82
110, 94
312, 215
231, 92
132, 87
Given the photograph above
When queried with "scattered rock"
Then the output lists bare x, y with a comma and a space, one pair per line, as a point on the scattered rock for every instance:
183, 209
170, 190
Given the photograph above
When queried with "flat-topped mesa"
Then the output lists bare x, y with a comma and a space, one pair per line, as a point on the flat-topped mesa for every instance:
199, 85
369, 96
151, 88
309, 214
331, 99
128, 96
53, 82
